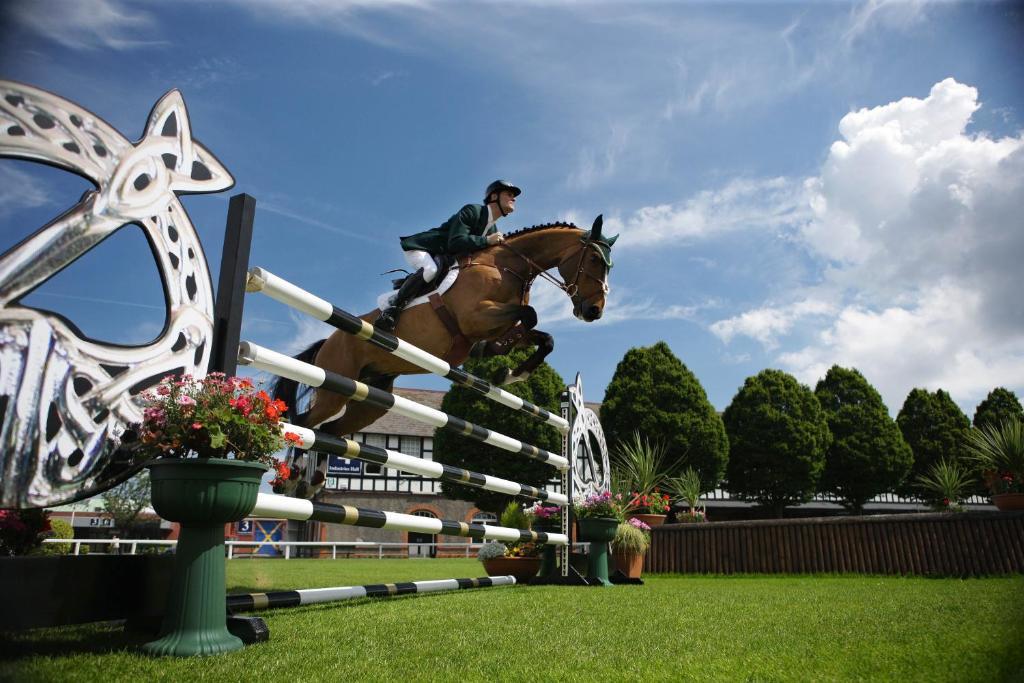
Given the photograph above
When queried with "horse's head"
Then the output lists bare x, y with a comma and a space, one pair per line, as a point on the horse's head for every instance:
585, 272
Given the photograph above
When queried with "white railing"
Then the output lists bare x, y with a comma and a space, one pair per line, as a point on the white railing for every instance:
117, 546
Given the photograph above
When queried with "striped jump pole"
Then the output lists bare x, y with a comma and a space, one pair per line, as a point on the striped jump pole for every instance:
286, 366
347, 448
265, 282
251, 602
299, 510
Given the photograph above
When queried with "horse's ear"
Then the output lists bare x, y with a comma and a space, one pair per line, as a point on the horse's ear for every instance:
611, 241
595, 232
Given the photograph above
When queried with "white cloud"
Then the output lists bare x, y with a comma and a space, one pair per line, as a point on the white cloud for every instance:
19, 191
87, 24
917, 223
598, 163
769, 323
554, 307
742, 204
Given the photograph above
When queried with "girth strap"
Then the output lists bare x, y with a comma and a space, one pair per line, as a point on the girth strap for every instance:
460, 344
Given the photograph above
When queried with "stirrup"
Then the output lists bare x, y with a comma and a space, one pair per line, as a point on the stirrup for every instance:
387, 320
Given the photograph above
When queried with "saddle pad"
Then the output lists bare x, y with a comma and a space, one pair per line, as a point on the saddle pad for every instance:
383, 300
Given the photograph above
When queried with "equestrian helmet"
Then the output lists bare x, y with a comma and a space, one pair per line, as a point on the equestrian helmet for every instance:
499, 186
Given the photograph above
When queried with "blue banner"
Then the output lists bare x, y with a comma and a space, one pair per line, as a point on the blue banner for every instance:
338, 465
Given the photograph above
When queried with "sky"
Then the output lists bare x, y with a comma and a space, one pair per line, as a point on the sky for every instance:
796, 185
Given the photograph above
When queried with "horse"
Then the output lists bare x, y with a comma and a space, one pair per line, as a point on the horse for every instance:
489, 303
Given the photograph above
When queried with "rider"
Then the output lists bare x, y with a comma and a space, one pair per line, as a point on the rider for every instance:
471, 229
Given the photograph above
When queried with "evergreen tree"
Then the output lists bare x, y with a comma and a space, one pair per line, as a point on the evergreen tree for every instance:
543, 388
778, 437
125, 501
935, 428
999, 406
868, 455
652, 392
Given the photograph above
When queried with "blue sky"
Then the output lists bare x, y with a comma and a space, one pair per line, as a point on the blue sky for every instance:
795, 184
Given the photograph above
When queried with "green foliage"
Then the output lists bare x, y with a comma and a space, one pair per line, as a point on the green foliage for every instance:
999, 406
654, 393
998, 451
22, 531
686, 488
778, 437
638, 466
868, 454
125, 501
935, 428
630, 538
543, 388
945, 485
490, 550
59, 528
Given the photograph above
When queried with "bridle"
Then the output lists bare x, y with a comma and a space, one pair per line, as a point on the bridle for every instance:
571, 289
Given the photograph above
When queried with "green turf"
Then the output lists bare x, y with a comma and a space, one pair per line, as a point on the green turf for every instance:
673, 628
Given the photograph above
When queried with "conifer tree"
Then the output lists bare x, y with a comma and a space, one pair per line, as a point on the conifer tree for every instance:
868, 455
999, 406
778, 437
935, 428
653, 393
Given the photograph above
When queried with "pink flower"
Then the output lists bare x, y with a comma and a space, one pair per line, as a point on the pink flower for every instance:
186, 400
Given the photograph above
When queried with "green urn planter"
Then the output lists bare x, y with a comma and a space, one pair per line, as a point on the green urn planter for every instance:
202, 495
599, 531
549, 553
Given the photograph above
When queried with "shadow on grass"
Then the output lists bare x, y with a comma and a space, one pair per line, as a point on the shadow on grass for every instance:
101, 638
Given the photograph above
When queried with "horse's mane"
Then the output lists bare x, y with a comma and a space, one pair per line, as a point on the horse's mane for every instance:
537, 228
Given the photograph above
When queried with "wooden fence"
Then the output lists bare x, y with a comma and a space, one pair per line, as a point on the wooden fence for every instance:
937, 544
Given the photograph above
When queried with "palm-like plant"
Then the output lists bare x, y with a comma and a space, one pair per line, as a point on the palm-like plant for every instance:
998, 450
945, 484
637, 465
685, 487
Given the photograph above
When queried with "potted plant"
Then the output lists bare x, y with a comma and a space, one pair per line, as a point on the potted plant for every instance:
597, 517
211, 441
999, 452
632, 539
520, 559
638, 470
686, 488
944, 486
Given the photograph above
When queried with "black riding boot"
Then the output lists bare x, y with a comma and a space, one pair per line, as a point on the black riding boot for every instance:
407, 292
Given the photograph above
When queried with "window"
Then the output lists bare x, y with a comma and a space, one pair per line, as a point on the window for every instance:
379, 440
483, 518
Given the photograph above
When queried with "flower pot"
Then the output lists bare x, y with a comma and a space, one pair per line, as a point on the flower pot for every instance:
522, 568
650, 520
1008, 502
202, 495
599, 531
630, 564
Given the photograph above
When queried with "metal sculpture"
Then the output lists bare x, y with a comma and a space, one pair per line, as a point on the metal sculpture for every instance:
67, 400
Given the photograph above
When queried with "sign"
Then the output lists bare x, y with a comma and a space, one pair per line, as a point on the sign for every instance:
338, 465
244, 527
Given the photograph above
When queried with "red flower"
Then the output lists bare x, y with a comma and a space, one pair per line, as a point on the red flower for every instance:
292, 437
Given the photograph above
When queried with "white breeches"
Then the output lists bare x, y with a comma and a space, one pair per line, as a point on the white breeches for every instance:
421, 259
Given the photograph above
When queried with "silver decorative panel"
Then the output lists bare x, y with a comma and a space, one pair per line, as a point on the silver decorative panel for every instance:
591, 472
66, 400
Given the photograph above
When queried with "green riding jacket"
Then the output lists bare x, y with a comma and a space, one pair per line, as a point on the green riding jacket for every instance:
465, 231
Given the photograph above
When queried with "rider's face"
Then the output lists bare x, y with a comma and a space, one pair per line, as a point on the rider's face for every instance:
506, 202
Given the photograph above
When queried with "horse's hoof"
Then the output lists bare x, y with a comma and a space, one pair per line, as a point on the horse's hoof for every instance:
505, 377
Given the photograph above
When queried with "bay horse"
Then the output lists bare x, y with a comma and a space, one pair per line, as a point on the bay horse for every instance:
489, 302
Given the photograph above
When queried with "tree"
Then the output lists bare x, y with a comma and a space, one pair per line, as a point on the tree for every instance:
868, 455
778, 437
999, 406
652, 392
126, 501
935, 428
543, 388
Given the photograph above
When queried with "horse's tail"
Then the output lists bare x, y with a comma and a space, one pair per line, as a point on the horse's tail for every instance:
288, 389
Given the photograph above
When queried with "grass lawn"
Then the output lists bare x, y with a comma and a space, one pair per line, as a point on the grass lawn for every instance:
747, 628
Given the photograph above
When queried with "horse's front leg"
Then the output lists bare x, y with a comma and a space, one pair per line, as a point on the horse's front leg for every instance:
545, 344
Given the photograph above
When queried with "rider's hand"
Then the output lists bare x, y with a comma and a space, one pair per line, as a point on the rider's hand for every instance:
495, 238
